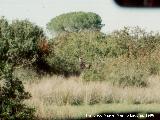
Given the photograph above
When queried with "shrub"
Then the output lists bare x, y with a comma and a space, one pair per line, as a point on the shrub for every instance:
134, 42
154, 61
126, 72
12, 97
19, 40
131, 56
125, 57
18, 47
68, 48
118, 43
119, 71
95, 72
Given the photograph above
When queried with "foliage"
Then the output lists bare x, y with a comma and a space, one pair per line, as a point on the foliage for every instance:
118, 43
68, 48
133, 42
18, 47
19, 40
12, 97
131, 49
95, 73
75, 21
132, 57
126, 72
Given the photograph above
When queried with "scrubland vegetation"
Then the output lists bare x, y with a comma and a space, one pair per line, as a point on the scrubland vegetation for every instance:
58, 97
124, 68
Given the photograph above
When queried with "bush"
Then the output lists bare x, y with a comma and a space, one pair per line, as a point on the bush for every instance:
118, 43
134, 42
125, 57
19, 40
18, 47
69, 47
95, 72
119, 71
126, 71
12, 97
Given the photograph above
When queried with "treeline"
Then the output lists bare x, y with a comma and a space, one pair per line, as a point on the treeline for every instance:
126, 57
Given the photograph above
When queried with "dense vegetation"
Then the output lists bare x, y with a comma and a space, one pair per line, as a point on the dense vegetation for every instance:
127, 57
18, 48
69, 47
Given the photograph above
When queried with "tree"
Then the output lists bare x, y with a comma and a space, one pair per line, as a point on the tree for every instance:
74, 22
18, 46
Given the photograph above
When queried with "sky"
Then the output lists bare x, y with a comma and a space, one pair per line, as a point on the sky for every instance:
114, 17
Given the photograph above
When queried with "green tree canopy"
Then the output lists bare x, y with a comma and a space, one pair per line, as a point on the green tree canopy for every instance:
18, 44
18, 40
75, 21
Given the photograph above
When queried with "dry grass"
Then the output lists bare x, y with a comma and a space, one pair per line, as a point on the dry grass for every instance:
52, 93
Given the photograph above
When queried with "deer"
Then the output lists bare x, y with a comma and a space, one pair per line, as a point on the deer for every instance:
43, 46
83, 65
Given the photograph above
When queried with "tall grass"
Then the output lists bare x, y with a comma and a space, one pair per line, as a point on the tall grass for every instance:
50, 93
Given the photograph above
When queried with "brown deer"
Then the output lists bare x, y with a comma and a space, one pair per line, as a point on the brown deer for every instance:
83, 64
43, 46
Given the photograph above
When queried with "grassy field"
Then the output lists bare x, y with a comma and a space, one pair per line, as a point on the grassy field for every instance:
86, 111
65, 98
